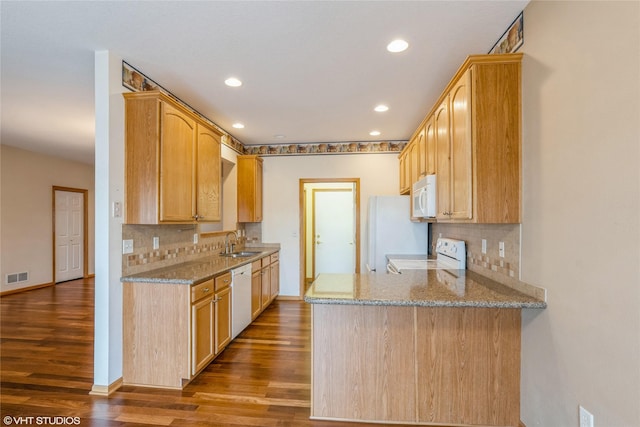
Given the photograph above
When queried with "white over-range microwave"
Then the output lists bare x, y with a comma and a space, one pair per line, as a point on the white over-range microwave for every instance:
424, 197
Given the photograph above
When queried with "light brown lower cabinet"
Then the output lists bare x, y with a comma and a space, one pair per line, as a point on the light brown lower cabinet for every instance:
274, 277
202, 326
265, 283
171, 331
222, 305
418, 365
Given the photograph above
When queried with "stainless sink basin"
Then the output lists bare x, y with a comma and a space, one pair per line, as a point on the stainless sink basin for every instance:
241, 254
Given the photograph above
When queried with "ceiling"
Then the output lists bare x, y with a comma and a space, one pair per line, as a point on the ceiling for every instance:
312, 71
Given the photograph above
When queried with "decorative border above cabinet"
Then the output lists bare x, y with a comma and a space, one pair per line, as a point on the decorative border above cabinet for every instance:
136, 81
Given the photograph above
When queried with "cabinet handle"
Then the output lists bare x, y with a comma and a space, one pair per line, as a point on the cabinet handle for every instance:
205, 290
216, 299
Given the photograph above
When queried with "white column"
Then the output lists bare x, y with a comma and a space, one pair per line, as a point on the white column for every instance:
109, 188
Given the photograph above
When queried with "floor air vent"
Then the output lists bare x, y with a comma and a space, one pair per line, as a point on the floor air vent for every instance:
17, 277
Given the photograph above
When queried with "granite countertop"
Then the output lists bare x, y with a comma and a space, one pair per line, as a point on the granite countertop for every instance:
427, 288
192, 272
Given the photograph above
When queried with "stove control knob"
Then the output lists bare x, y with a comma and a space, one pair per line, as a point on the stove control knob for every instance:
454, 249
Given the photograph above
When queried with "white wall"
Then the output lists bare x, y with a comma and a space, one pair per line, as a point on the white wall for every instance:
27, 213
109, 172
581, 182
378, 175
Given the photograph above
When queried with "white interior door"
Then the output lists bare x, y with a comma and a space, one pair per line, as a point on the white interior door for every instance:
334, 231
69, 235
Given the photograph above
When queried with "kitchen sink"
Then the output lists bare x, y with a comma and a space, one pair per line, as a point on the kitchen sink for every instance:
241, 254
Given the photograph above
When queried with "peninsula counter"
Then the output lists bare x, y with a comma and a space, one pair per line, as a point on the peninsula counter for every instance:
427, 347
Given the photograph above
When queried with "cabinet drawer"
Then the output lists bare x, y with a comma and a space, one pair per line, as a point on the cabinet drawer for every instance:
202, 290
275, 257
256, 265
223, 281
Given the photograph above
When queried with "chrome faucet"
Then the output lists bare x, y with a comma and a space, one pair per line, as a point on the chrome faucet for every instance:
228, 246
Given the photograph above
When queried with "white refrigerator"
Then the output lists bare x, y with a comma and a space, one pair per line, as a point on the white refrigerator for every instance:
390, 231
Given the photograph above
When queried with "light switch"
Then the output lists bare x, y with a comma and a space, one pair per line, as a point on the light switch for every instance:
117, 210
156, 243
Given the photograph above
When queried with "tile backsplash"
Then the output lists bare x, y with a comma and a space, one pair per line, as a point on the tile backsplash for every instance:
176, 246
505, 270
489, 264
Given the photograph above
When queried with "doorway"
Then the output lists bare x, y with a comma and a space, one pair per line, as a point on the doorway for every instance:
70, 240
330, 227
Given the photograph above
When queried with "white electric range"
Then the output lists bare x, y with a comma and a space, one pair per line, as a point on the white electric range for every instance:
450, 254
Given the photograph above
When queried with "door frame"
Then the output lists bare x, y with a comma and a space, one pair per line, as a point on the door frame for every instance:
85, 233
303, 221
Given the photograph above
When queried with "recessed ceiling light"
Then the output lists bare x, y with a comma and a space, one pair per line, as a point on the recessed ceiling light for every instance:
279, 136
397, 45
381, 108
374, 133
233, 82
238, 125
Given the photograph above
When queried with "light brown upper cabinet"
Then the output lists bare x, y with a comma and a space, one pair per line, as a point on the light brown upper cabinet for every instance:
208, 174
475, 127
421, 154
430, 138
172, 163
409, 165
454, 153
405, 172
249, 189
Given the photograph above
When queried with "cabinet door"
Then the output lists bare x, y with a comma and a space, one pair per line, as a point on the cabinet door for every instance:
202, 334
208, 175
177, 157
430, 150
249, 189
258, 201
443, 159
422, 154
414, 162
266, 286
256, 293
275, 280
460, 116
223, 319
404, 181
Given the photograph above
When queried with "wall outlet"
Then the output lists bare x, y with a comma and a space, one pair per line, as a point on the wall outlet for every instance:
127, 246
156, 243
501, 249
484, 246
586, 418
195, 238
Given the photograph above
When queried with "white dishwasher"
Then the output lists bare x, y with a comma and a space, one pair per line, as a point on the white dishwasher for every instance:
240, 299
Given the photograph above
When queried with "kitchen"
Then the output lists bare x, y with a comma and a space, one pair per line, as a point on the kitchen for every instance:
551, 361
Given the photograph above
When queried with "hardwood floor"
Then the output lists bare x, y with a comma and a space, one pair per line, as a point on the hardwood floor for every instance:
46, 347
